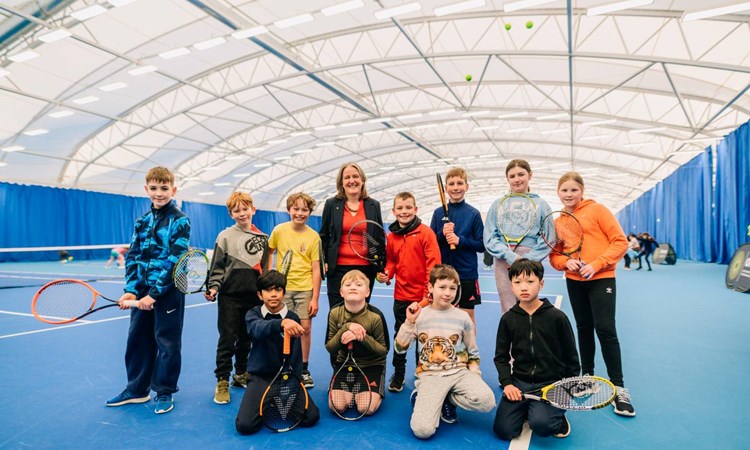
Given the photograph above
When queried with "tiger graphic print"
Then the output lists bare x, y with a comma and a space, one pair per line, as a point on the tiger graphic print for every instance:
439, 353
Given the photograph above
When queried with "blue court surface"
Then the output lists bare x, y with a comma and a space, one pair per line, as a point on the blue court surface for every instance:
683, 336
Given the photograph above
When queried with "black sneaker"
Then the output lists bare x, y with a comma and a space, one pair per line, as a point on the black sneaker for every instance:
307, 379
448, 412
396, 383
239, 381
564, 430
622, 403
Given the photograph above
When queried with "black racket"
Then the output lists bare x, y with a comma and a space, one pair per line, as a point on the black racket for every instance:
190, 274
285, 401
583, 393
515, 217
350, 394
65, 301
441, 191
286, 262
321, 260
367, 240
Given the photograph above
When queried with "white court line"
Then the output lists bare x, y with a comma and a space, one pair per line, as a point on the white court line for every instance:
13, 313
78, 324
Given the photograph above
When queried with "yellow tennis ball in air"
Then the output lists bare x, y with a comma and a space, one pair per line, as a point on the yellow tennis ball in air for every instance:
529, 24
468, 77
508, 26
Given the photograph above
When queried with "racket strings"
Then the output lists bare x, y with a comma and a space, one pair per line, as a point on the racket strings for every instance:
190, 273
64, 300
286, 263
284, 404
580, 393
516, 216
347, 384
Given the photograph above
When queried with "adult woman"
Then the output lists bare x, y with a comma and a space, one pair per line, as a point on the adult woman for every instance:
518, 173
591, 283
350, 205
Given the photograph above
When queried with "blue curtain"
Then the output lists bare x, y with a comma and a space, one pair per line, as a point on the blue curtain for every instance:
36, 216
732, 218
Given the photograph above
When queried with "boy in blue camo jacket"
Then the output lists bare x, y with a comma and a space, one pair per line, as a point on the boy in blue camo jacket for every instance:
153, 355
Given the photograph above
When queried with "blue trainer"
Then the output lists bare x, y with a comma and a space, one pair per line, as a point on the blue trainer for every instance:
126, 397
164, 403
448, 413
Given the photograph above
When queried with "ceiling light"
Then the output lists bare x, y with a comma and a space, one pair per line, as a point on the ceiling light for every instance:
118, 3
557, 131
518, 130
370, 133
304, 150
380, 119
342, 7
3, 164
553, 116
325, 144
325, 127
55, 36
233, 157
113, 86
513, 114
713, 12
263, 165
60, 114
13, 148
348, 136
648, 130
351, 124
592, 138
250, 32
458, 7
4, 73
515, 6
222, 184
87, 13
211, 168
598, 122
191, 179
427, 125
142, 70
440, 112
475, 113
409, 116
617, 6
300, 133
24, 56
36, 132
241, 175
211, 43
174, 53
292, 21
282, 158
206, 193
455, 122
85, 100
276, 141
398, 10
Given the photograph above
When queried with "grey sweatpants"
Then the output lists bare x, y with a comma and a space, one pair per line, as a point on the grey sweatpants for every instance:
467, 390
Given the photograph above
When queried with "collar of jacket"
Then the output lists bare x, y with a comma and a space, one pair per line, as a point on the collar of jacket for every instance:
411, 226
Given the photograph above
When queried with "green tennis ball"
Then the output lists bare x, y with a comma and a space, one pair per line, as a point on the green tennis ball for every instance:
529, 24
508, 26
468, 77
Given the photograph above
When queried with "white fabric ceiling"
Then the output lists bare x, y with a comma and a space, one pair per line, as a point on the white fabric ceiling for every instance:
279, 112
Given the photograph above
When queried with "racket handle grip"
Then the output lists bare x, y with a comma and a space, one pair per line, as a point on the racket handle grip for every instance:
453, 247
130, 303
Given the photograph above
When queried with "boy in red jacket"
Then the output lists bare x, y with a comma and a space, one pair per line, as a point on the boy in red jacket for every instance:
411, 252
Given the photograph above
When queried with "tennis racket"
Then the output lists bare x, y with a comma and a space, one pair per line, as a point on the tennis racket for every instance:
515, 217
441, 191
350, 394
285, 401
576, 394
321, 260
286, 262
367, 240
65, 301
190, 274
563, 233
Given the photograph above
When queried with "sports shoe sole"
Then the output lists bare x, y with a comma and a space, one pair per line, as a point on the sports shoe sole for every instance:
131, 400
624, 413
164, 411
220, 402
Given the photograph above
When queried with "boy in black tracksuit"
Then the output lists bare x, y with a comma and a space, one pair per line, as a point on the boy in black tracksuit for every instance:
539, 339
266, 326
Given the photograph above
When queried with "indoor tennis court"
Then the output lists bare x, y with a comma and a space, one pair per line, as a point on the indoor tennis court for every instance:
646, 100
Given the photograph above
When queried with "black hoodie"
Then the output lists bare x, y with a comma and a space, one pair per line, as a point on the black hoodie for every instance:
541, 345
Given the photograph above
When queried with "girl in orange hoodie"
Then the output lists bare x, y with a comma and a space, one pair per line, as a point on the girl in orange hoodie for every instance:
591, 283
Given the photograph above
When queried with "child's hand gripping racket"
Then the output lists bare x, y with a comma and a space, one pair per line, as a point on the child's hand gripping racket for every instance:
65, 301
190, 274
366, 238
441, 192
563, 233
285, 401
350, 394
583, 393
515, 217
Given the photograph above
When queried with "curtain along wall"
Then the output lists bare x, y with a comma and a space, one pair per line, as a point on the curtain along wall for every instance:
35, 216
703, 220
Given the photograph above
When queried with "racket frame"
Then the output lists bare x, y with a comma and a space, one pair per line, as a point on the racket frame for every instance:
91, 310
286, 262
511, 241
378, 260
321, 260
350, 364
285, 371
554, 246
185, 257
444, 202
602, 382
